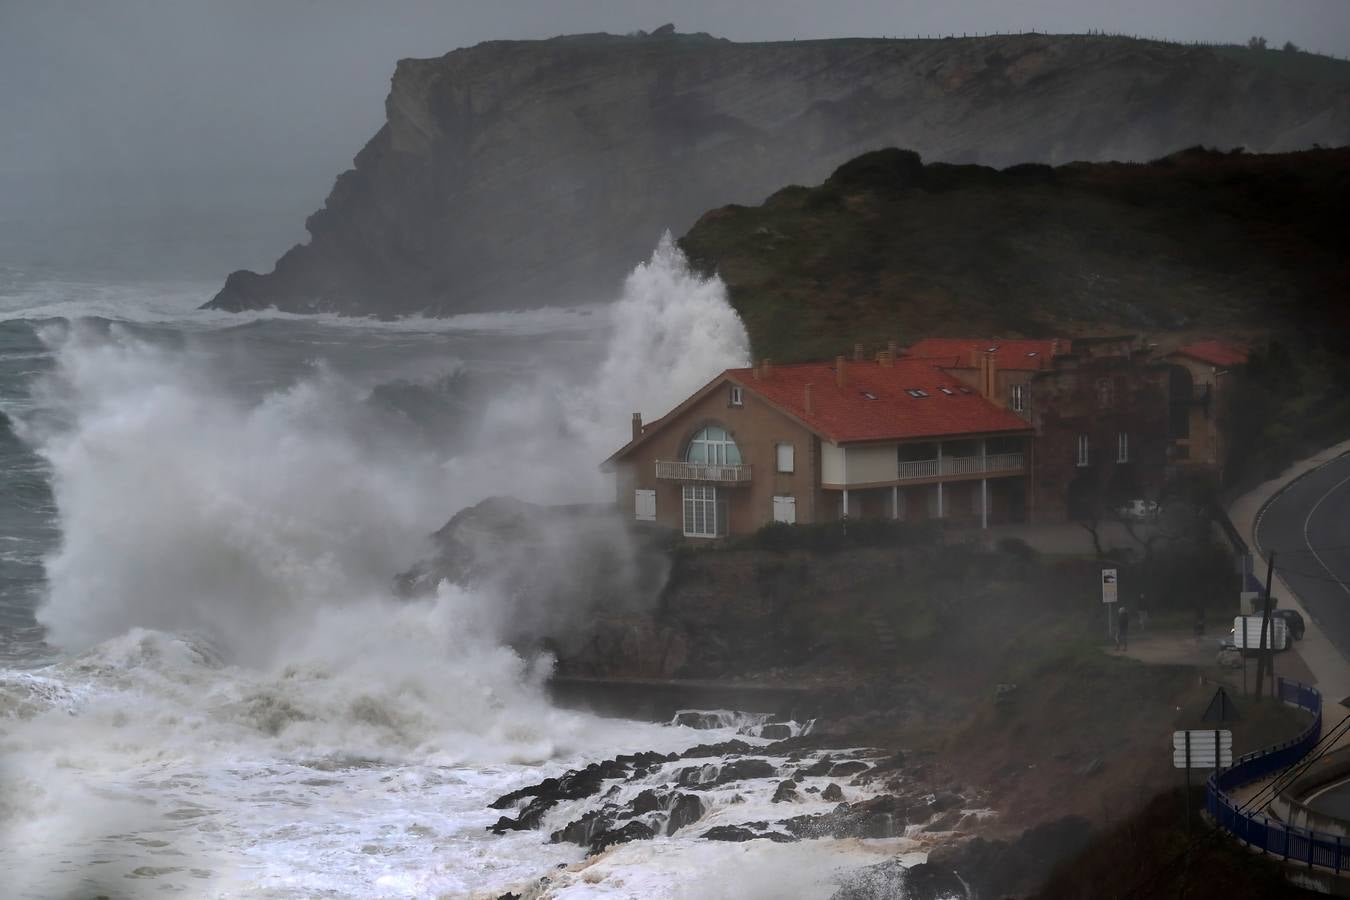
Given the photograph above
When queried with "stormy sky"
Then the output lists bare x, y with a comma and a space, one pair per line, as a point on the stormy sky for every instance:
259, 103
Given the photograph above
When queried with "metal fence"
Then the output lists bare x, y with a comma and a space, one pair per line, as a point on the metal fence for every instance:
1269, 835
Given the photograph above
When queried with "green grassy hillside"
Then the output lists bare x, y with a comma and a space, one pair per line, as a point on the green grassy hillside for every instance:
889, 247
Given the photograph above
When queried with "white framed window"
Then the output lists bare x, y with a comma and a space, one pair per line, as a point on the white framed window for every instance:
1122, 447
714, 446
644, 505
785, 510
786, 458
1017, 399
737, 395
1084, 451
705, 513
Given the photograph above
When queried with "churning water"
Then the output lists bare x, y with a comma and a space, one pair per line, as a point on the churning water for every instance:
207, 687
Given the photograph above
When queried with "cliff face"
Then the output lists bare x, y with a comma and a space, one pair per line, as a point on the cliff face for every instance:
526, 173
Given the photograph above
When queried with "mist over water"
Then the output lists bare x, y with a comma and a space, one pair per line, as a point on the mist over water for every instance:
235, 687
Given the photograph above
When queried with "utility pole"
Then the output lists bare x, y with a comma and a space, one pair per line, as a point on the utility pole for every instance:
1264, 658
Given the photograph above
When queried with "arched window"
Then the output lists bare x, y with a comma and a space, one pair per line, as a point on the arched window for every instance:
713, 446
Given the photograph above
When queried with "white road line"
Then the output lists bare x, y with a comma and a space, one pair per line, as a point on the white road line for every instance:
1308, 540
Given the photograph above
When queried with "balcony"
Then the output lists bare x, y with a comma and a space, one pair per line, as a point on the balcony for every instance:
959, 466
672, 470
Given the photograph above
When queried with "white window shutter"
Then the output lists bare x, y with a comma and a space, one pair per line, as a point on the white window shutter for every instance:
786, 458
644, 505
785, 510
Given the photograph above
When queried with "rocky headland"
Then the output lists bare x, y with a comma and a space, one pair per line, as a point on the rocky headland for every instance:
529, 173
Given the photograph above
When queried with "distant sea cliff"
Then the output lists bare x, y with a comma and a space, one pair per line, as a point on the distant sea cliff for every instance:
525, 173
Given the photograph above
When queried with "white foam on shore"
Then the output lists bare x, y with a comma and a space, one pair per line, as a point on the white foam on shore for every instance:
243, 708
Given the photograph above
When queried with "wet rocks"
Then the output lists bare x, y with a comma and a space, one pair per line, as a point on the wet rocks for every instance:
741, 833
786, 792
633, 831
832, 792
776, 731
726, 748
656, 811
712, 775
685, 810
999, 868
845, 769
879, 817
893, 879
574, 785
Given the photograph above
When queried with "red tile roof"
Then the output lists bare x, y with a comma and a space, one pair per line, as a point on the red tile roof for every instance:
955, 353
848, 414
1216, 353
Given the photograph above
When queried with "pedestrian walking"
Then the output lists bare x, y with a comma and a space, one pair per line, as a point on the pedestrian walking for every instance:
1122, 629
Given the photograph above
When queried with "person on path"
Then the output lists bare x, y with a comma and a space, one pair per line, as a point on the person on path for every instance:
1122, 629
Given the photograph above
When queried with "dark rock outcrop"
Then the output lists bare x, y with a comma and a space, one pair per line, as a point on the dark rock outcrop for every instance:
999, 868
519, 173
740, 834
574, 785
892, 880
712, 775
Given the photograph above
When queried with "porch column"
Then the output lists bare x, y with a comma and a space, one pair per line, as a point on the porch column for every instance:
895, 501
984, 487
939, 484
844, 514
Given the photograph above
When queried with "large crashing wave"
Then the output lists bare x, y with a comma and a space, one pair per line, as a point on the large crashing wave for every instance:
268, 529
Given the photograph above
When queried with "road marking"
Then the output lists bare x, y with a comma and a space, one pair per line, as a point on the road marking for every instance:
1308, 540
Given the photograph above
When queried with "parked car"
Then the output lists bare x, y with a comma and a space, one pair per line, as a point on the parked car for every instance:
1138, 510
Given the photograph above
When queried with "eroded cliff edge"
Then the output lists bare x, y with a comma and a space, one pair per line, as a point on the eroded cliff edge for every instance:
526, 173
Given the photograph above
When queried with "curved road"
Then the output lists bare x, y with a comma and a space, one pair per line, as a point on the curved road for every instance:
1308, 527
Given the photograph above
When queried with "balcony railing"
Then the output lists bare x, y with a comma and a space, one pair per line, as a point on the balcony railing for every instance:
672, 470
961, 465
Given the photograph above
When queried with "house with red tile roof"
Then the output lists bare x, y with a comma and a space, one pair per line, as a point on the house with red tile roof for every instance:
969, 430
816, 442
1202, 384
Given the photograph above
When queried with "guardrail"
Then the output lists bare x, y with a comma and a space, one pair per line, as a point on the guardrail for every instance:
1258, 830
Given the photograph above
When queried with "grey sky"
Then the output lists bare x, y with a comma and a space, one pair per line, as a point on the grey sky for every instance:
264, 101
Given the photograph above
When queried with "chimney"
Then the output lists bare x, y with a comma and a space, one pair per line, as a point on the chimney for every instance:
810, 399
892, 350
765, 368
840, 373
755, 372
886, 359
974, 358
857, 352
989, 377
637, 425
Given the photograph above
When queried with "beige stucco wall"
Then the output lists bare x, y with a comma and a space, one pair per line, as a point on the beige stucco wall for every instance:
870, 464
757, 428
833, 463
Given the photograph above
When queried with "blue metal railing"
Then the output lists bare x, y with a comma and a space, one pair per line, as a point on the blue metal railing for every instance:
1259, 830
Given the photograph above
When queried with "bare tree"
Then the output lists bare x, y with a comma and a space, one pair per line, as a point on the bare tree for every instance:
1256, 43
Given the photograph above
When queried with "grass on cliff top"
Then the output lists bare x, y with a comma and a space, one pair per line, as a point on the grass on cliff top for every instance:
888, 248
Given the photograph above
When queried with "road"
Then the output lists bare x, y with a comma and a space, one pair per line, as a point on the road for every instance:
1308, 527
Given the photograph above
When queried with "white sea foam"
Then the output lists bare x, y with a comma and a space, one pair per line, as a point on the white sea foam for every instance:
243, 708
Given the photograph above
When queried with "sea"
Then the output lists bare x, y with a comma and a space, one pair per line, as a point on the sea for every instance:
208, 684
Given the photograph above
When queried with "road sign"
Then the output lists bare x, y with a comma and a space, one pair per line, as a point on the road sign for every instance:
1247, 633
1221, 708
1195, 749
1109, 585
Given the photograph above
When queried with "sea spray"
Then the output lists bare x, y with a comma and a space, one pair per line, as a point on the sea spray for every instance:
243, 705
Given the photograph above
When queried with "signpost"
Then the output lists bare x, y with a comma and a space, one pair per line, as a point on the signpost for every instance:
1109, 595
1200, 749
